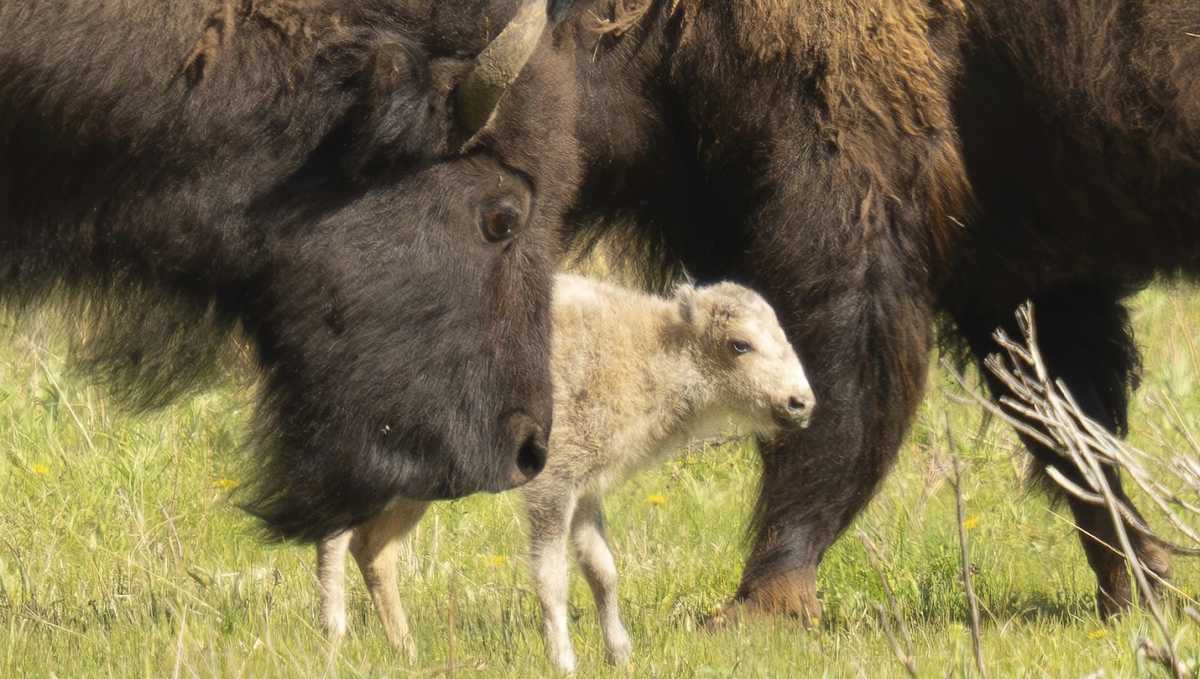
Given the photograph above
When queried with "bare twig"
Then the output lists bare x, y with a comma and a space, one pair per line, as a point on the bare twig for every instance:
907, 661
1162, 656
1185, 466
179, 645
964, 553
37, 356
1044, 410
891, 617
704, 445
451, 621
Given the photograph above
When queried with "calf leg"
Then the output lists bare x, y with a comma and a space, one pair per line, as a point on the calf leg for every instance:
600, 570
375, 546
331, 576
1085, 340
549, 521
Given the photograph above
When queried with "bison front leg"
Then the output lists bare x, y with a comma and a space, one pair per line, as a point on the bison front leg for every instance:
1086, 341
866, 344
1098, 535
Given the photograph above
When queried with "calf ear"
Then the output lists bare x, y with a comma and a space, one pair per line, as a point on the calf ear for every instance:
685, 304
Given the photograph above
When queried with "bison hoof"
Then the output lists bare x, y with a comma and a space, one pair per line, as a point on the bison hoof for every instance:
722, 617
765, 603
1115, 590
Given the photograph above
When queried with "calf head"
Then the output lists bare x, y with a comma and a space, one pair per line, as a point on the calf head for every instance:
746, 357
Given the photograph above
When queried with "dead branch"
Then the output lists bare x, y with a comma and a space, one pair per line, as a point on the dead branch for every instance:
890, 618
964, 553
1044, 410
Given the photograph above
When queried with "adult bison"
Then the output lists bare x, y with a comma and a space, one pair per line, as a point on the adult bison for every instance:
297, 168
871, 164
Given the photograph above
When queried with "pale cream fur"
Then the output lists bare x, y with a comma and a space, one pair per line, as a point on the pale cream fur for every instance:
636, 377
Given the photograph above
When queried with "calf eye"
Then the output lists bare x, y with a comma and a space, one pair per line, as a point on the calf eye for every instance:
738, 346
498, 222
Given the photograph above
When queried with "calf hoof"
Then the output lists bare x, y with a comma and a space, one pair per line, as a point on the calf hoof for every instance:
619, 650
335, 626
564, 662
409, 648
788, 595
405, 644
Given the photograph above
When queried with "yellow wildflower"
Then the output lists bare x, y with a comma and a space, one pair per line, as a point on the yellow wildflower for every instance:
656, 499
40, 469
970, 522
1097, 634
225, 484
497, 560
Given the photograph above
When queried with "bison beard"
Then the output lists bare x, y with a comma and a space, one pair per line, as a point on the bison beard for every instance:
294, 169
812, 151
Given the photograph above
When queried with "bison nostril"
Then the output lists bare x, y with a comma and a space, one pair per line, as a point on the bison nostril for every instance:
531, 456
528, 451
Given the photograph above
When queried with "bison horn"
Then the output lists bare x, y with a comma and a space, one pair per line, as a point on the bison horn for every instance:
499, 64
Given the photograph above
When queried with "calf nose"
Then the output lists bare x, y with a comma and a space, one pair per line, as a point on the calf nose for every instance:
529, 450
800, 407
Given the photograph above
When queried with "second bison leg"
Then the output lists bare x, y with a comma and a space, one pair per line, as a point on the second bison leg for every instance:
1086, 341
869, 352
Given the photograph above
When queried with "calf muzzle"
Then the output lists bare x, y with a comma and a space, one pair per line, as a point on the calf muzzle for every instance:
796, 412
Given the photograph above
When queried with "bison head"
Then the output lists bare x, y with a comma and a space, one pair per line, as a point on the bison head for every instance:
404, 324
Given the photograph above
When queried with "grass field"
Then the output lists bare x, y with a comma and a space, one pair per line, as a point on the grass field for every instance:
121, 555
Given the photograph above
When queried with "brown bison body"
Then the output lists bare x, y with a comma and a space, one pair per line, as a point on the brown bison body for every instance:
871, 165
297, 169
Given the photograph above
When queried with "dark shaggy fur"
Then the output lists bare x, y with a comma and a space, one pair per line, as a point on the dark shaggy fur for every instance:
1081, 126
871, 164
292, 167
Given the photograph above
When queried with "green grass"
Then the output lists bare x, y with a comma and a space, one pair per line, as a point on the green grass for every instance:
121, 555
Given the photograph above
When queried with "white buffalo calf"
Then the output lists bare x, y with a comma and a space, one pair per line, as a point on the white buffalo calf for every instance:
636, 378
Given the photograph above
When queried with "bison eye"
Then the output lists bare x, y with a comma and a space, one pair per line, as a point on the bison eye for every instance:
498, 222
739, 347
